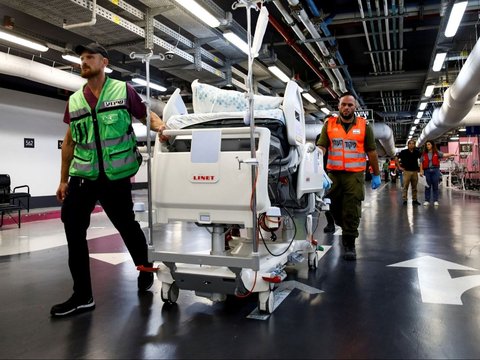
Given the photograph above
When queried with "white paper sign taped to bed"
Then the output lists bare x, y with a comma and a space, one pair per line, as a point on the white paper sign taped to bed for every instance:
204, 156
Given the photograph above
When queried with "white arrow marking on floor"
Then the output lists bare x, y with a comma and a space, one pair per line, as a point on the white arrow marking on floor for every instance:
112, 258
436, 284
292, 284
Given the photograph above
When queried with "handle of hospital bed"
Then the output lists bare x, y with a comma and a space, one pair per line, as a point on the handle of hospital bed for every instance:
234, 130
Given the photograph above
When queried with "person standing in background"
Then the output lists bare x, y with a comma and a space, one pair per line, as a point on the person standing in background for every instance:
430, 168
348, 140
407, 161
385, 170
99, 155
392, 168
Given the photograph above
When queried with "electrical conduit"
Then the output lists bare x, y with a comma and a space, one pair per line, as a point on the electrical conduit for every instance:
301, 13
291, 42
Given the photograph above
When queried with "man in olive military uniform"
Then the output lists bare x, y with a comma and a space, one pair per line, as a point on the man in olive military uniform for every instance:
349, 140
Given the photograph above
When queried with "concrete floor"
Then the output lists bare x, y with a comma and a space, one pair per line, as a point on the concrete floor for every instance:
414, 292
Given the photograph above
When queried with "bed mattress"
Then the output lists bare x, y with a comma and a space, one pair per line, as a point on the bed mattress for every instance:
182, 121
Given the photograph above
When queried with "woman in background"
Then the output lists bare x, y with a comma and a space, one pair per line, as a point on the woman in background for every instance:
430, 168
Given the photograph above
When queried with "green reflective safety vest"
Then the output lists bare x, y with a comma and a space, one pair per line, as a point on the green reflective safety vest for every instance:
103, 134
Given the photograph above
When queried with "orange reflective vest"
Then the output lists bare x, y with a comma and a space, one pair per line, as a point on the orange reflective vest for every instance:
392, 165
346, 151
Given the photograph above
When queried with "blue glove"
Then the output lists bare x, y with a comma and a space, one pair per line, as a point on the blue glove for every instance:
327, 183
376, 181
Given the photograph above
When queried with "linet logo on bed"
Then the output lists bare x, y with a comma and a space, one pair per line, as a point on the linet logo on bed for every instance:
204, 178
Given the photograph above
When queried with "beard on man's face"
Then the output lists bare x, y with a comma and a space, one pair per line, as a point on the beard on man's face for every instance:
348, 116
87, 72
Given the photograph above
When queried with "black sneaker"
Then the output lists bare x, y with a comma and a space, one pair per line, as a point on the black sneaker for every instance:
330, 228
350, 253
145, 280
74, 305
415, 202
404, 202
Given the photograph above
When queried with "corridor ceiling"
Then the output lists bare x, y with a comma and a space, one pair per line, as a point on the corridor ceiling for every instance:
383, 50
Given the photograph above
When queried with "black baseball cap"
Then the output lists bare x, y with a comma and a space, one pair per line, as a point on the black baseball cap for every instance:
92, 48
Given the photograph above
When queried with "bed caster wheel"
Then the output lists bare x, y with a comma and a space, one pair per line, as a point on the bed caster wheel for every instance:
313, 260
266, 302
169, 293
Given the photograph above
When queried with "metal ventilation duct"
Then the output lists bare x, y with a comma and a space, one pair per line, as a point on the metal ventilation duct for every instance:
459, 99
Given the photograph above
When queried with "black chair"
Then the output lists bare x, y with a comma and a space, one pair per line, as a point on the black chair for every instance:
15, 197
6, 203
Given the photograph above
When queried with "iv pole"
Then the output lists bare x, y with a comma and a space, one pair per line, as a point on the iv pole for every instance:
146, 59
252, 53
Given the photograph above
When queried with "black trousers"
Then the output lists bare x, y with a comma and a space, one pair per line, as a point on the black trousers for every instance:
115, 196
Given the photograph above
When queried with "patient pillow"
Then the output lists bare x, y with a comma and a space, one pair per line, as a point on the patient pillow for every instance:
174, 106
210, 99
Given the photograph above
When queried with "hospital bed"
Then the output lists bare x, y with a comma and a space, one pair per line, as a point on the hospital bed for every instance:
203, 175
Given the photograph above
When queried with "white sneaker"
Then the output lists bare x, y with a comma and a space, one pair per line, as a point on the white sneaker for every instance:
426, 203
436, 203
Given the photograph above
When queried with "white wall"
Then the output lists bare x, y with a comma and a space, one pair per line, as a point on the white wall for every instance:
25, 115
22, 116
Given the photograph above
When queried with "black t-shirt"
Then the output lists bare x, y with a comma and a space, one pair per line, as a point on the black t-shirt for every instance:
409, 159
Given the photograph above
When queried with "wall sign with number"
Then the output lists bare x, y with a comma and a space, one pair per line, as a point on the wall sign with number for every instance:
28, 142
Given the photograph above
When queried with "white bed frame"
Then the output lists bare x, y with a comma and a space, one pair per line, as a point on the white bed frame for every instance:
213, 188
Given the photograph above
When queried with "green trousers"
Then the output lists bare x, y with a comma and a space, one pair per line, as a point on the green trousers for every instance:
346, 195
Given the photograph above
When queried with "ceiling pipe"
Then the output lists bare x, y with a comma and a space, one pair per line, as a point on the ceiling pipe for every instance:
41, 73
291, 42
387, 34
367, 36
374, 36
459, 99
324, 28
303, 16
92, 22
384, 134
48, 75
290, 22
380, 29
401, 11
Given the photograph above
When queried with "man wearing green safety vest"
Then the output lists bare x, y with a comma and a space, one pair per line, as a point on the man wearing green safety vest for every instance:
98, 159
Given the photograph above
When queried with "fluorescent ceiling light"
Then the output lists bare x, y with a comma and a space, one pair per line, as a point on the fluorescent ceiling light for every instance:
152, 85
419, 114
279, 73
438, 62
72, 58
413, 128
236, 40
416, 121
76, 60
429, 90
455, 18
462, 129
21, 41
309, 98
200, 12
423, 106
454, 137
325, 110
